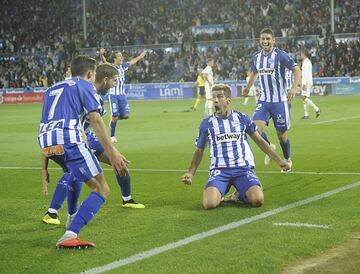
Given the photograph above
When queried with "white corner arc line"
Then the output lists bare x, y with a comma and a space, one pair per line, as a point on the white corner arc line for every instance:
157, 250
303, 225
199, 171
336, 120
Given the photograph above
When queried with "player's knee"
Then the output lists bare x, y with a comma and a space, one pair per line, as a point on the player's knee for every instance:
255, 196
210, 204
256, 200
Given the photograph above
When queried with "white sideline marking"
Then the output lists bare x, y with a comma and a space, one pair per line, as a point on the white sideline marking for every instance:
303, 225
157, 250
336, 120
200, 171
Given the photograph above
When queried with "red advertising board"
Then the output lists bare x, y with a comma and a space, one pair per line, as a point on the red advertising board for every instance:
21, 98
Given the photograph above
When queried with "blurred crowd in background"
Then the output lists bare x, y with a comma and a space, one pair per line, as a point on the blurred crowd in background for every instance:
38, 38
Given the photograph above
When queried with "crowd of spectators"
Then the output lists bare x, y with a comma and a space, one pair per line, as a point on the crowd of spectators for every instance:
39, 37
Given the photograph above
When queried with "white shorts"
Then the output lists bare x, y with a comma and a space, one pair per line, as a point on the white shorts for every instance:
208, 93
252, 91
307, 90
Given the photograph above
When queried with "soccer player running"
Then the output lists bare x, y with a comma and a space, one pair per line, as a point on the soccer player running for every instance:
208, 76
307, 83
270, 64
68, 186
119, 105
232, 161
60, 138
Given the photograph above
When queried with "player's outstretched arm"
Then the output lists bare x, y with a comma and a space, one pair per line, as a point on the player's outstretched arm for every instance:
267, 149
45, 177
118, 161
138, 58
252, 77
195, 162
102, 56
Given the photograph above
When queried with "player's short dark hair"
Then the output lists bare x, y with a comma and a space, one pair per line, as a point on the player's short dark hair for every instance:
81, 64
105, 70
268, 30
113, 55
305, 51
209, 59
225, 88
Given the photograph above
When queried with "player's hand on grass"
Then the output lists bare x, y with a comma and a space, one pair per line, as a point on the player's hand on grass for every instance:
45, 181
119, 163
187, 178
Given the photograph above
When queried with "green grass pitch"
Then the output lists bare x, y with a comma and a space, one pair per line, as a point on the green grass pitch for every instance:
159, 141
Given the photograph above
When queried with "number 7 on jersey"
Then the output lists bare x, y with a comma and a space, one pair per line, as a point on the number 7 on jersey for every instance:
56, 93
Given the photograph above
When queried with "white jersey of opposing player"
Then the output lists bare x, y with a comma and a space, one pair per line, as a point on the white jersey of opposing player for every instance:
210, 76
306, 72
252, 90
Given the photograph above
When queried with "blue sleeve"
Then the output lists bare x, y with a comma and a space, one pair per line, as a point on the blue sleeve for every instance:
201, 139
89, 99
250, 125
125, 66
253, 65
286, 60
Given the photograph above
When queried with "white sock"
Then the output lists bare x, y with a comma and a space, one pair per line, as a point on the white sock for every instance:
71, 233
311, 103
126, 198
52, 210
305, 108
209, 107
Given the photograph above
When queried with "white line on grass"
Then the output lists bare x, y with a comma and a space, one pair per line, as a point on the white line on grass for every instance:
303, 225
200, 171
336, 120
157, 250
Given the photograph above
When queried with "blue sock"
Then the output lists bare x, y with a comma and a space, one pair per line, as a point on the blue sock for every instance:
112, 128
87, 211
263, 134
74, 190
60, 192
286, 149
125, 185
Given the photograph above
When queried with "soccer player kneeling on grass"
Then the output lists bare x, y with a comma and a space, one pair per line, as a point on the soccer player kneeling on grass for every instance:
232, 161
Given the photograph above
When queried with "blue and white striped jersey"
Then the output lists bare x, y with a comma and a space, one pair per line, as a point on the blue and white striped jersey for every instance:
64, 105
271, 69
229, 145
119, 89
85, 120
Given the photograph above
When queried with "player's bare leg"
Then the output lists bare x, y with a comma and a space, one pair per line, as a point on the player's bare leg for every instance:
255, 196
211, 197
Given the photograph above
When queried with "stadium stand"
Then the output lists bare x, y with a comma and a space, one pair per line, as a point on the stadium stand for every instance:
37, 53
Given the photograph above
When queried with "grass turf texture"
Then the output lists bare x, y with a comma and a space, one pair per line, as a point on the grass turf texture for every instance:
157, 140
